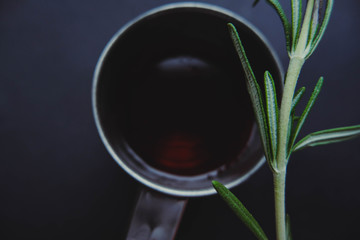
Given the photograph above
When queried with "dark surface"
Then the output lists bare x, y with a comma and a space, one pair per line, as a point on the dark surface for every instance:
58, 182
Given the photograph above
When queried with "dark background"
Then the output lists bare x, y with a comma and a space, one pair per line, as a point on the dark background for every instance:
57, 181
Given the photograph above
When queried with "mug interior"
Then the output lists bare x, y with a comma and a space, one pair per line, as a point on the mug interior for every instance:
171, 43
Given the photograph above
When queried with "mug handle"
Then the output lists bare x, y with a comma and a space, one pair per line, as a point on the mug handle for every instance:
156, 216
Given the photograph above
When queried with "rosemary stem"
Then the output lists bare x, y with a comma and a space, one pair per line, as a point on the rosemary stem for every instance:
292, 76
279, 194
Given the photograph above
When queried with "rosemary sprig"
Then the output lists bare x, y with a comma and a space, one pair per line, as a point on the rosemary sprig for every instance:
279, 127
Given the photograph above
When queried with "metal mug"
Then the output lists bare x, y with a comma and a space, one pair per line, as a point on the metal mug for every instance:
176, 29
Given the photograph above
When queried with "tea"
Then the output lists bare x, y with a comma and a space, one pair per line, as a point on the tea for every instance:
187, 115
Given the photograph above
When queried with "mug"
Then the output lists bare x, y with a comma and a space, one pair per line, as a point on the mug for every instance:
171, 107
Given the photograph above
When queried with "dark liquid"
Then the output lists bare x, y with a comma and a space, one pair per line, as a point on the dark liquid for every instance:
187, 116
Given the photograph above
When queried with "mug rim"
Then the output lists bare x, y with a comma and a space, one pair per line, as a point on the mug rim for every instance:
133, 173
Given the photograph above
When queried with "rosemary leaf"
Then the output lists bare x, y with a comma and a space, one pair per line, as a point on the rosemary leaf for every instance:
289, 135
297, 98
239, 209
328, 136
285, 22
296, 17
255, 95
329, 6
302, 43
305, 113
293, 119
272, 110
314, 22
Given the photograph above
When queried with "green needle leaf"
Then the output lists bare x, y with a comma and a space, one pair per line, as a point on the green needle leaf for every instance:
289, 135
239, 209
302, 44
328, 136
296, 17
255, 94
329, 6
280, 11
305, 113
272, 111
293, 119
314, 22
297, 98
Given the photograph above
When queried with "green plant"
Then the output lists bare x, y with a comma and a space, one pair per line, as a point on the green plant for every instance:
278, 125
